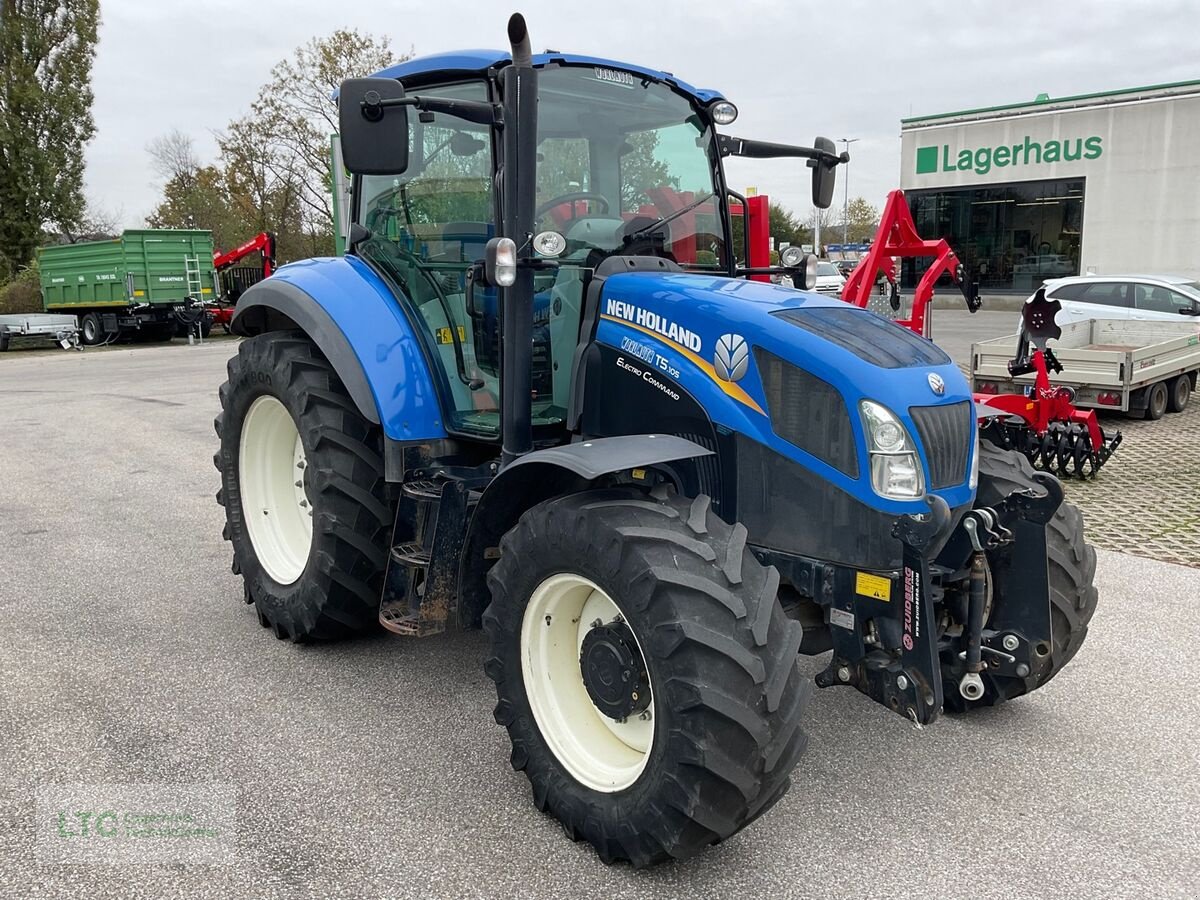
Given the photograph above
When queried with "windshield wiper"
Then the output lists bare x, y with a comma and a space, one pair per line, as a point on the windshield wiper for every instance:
703, 198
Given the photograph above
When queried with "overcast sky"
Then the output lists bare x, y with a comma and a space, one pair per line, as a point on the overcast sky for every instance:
843, 69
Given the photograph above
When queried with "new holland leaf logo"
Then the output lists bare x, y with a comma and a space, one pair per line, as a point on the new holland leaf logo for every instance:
731, 358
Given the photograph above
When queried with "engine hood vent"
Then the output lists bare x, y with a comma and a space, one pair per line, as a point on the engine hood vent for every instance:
870, 337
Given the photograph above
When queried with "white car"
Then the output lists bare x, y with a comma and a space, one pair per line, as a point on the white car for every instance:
829, 279
1159, 297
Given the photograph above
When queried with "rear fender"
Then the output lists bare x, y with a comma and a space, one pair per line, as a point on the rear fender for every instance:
361, 328
543, 474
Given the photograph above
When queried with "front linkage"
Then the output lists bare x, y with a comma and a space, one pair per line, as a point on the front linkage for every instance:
898, 639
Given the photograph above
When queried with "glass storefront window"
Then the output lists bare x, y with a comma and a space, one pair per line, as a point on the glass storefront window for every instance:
1012, 237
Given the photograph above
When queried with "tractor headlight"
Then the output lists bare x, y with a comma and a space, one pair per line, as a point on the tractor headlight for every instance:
895, 466
805, 278
723, 112
791, 257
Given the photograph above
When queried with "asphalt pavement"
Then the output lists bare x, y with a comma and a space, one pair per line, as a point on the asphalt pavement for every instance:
373, 768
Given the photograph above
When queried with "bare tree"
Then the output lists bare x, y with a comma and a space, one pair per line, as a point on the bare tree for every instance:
173, 156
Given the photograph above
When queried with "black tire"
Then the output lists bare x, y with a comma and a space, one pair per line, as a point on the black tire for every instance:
90, 330
721, 657
337, 595
1180, 394
206, 324
1156, 401
1072, 570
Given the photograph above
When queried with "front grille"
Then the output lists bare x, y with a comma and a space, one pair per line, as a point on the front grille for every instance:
945, 433
808, 412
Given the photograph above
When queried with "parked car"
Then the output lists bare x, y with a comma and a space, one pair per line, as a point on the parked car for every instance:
829, 279
845, 266
1158, 297
1051, 264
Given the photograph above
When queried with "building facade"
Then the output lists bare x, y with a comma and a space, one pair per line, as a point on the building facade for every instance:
1103, 183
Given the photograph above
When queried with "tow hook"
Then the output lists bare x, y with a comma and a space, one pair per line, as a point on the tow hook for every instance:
985, 532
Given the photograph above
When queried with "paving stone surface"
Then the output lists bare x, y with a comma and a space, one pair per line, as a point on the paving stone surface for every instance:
1146, 499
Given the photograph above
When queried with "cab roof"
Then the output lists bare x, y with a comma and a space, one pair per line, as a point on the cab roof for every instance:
475, 61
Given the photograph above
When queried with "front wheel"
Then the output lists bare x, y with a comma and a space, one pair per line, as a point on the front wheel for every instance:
645, 672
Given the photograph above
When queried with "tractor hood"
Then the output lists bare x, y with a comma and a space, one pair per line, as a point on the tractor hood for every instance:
756, 356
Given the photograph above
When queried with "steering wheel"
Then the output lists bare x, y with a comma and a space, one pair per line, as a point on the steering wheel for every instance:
571, 198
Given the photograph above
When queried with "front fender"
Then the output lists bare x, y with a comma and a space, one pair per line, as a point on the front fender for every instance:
350, 314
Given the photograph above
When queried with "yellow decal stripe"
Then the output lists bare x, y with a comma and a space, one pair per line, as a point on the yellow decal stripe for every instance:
727, 386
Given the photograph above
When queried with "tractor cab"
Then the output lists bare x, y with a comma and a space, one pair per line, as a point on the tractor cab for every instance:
625, 161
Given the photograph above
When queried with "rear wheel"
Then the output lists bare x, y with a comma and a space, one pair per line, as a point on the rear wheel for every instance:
1156, 401
645, 672
1180, 393
90, 330
303, 489
1071, 569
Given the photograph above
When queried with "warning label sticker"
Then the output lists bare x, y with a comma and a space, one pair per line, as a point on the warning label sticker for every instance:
874, 586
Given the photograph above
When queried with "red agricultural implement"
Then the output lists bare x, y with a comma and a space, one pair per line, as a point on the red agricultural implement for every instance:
1045, 425
235, 279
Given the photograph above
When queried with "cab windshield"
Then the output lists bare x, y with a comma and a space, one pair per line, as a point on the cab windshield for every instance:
625, 165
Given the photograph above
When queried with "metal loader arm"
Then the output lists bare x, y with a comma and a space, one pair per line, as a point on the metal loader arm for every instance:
897, 237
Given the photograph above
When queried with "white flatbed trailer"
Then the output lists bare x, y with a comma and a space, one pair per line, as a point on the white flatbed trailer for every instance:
1112, 364
62, 329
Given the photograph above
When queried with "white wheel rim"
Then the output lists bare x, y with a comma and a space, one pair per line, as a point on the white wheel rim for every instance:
271, 467
597, 751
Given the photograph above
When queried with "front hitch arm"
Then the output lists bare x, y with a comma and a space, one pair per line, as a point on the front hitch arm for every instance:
894, 658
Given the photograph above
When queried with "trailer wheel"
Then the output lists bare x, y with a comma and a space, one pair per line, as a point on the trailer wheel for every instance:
90, 330
1071, 568
645, 672
303, 489
1156, 401
1181, 392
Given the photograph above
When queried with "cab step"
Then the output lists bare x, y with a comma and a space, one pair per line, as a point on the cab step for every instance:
423, 490
411, 553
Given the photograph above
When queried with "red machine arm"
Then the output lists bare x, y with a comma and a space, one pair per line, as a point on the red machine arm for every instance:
263, 242
897, 238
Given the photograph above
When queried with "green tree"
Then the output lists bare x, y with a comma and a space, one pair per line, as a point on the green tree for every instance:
46, 53
785, 227
859, 220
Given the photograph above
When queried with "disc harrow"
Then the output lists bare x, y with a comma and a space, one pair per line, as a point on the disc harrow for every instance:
1064, 449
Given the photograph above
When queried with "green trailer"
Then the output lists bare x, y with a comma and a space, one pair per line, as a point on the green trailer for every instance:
150, 283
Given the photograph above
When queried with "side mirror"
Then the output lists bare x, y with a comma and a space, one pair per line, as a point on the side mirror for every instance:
374, 131
824, 177
1189, 310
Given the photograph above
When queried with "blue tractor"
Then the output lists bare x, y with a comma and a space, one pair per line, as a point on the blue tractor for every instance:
540, 395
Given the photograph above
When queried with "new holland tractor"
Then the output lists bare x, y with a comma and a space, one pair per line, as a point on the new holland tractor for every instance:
539, 395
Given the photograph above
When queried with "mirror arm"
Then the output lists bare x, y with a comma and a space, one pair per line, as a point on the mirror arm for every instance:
469, 110
736, 146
